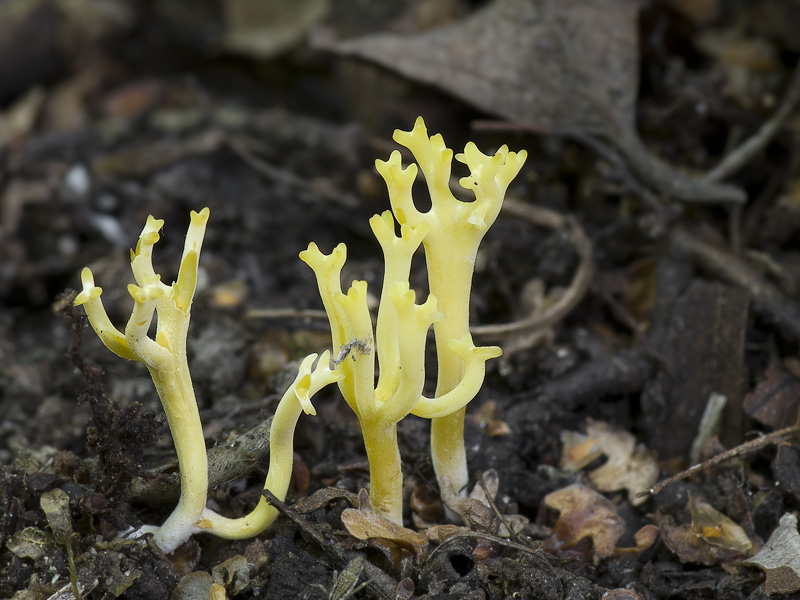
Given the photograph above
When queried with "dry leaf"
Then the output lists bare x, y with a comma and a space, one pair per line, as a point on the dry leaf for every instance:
629, 466
511, 59
775, 400
553, 65
55, 505
29, 543
439, 533
363, 523
584, 514
711, 539
688, 547
475, 510
488, 485
578, 450
234, 573
716, 528
194, 585
19, 119
644, 539
323, 497
780, 558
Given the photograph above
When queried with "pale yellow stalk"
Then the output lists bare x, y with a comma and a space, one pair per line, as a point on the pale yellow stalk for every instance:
451, 232
399, 343
455, 231
165, 358
295, 401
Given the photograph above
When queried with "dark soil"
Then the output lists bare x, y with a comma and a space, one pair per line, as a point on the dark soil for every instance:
686, 299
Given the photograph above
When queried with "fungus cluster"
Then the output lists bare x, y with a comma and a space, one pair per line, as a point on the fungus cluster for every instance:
450, 232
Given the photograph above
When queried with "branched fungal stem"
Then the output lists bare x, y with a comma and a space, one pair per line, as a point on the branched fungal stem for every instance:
451, 233
165, 358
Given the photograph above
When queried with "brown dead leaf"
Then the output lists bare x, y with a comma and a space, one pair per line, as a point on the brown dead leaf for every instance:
712, 538
511, 59
629, 466
19, 119
775, 400
477, 510
323, 497
689, 547
552, 65
584, 514
364, 523
716, 528
644, 539
578, 450
780, 558
479, 516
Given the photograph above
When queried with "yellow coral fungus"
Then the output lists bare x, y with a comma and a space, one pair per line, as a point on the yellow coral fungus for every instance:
165, 358
455, 231
451, 233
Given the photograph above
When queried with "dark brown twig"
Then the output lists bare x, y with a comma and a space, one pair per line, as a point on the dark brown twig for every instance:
511, 533
741, 450
532, 550
573, 294
743, 153
273, 173
286, 313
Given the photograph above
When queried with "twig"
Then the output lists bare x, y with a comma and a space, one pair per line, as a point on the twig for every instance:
591, 142
668, 180
232, 460
274, 173
741, 450
738, 157
511, 533
286, 313
573, 294
536, 552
